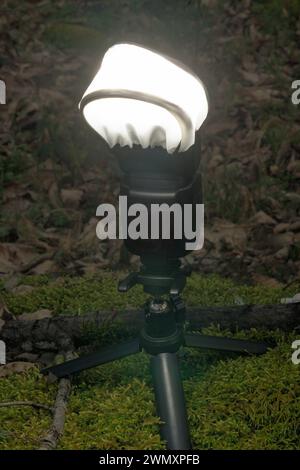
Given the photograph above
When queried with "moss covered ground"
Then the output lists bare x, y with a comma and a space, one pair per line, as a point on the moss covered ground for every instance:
78, 295
233, 402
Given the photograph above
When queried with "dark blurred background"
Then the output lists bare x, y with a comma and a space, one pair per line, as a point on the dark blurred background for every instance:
54, 171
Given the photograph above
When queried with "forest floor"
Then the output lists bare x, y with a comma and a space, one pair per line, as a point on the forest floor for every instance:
54, 172
233, 402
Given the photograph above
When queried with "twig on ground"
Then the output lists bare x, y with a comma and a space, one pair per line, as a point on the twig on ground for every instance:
26, 403
289, 284
50, 441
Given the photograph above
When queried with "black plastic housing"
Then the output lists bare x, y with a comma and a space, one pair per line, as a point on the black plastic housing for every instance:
151, 176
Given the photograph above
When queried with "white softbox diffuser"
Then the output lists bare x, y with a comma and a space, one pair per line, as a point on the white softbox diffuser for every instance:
140, 97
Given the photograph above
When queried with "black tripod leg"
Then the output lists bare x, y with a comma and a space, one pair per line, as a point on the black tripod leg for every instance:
109, 354
224, 344
170, 401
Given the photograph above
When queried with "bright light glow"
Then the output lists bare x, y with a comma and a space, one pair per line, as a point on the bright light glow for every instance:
178, 108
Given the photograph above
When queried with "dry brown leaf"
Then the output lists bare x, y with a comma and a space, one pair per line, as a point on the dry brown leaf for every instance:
71, 197
261, 218
222, 125
294, 168
251, 77
38, 315
15, 368
28, 232
54, 195
265, 280
11, 282
282, 254
280, 228
22, 289
47, 266
14, 255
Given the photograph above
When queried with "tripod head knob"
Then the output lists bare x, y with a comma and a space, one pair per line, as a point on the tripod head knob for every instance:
158, 277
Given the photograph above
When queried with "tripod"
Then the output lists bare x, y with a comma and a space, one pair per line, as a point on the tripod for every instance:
161, 337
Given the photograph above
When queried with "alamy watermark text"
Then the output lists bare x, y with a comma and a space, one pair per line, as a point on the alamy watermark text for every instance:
185, 217
2, 92
296, 93
2, 353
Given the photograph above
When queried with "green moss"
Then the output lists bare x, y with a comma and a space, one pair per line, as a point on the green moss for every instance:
214, 290
73, 295
22, 427
247, 403
233, 403
35, 280
78, 295
121, 417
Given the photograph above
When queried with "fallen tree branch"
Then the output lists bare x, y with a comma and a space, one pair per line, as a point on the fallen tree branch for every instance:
50, 441
26, 403
285, 317
66, 332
